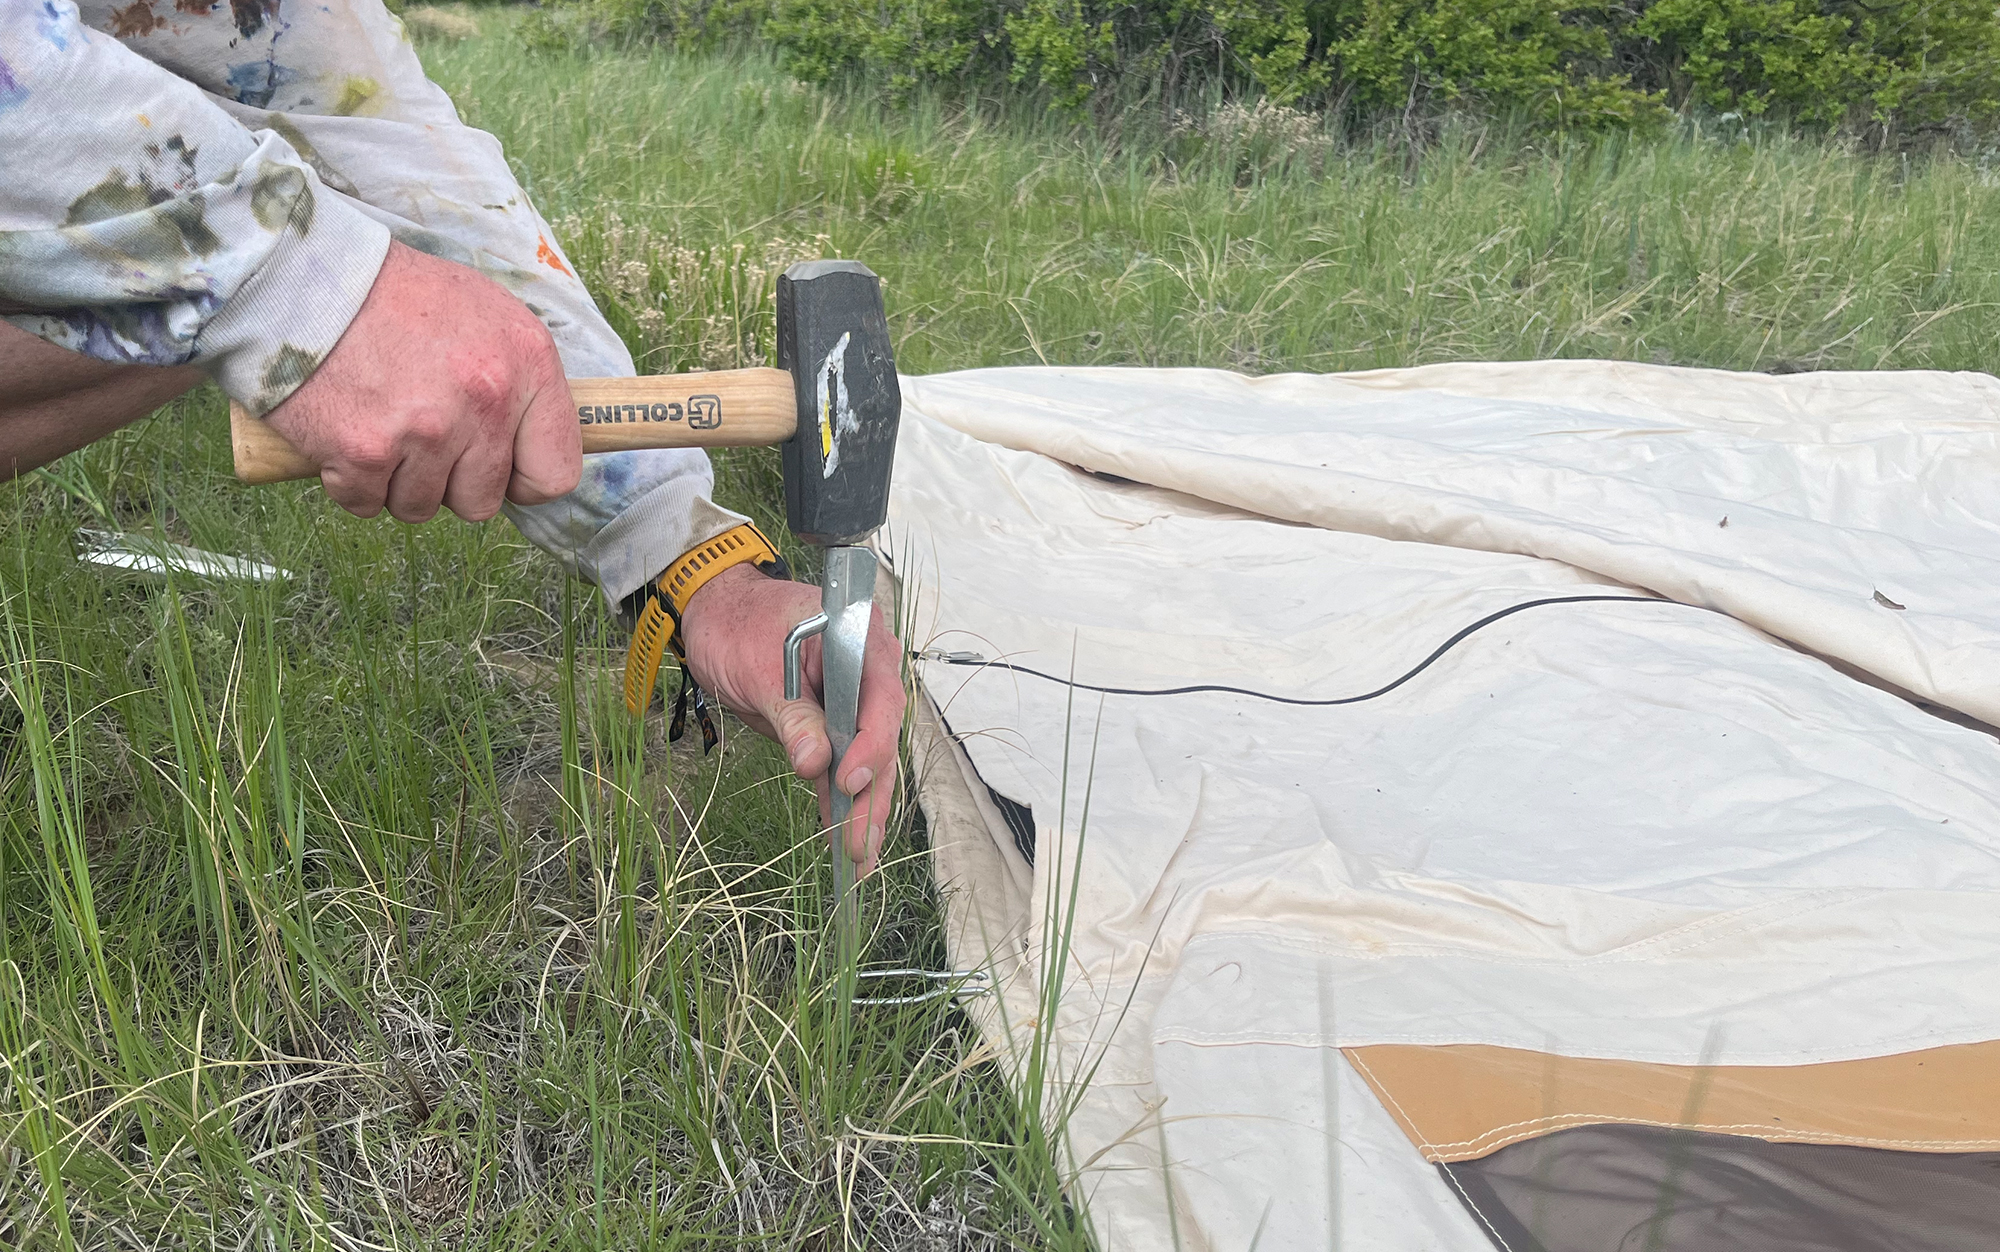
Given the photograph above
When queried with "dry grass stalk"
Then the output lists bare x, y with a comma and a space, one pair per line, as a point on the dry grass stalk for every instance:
693, 307
428, 22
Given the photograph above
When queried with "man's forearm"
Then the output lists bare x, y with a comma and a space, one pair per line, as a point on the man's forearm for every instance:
53, 401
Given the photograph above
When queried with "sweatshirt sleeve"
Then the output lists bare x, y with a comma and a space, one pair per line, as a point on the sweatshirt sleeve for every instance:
399, 153
219, 184
141, 223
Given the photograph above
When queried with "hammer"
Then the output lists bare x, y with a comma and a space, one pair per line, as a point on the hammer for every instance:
832, 404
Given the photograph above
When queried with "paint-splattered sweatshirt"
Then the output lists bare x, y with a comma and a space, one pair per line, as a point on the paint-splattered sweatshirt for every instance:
216, 182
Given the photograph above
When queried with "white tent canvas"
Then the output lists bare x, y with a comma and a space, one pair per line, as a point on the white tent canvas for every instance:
1660, 908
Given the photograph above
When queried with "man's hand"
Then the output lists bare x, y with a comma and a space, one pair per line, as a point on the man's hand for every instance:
734, 630
444, 390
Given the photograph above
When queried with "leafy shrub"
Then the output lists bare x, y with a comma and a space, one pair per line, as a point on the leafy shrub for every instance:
1568, 63
697, 22
900, 42
1920, 60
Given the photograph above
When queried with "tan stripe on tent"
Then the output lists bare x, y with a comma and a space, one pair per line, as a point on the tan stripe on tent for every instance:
1462, 1101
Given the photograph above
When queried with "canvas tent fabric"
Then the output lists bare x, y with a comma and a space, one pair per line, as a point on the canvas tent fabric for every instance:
1661, 907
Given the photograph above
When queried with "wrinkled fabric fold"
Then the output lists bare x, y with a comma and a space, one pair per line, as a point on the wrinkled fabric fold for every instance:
1623, 837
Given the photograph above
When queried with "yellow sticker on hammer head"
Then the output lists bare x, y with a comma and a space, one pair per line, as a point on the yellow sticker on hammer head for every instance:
835, 413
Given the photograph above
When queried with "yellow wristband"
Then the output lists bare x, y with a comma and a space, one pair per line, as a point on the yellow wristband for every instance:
705, 560
659, 624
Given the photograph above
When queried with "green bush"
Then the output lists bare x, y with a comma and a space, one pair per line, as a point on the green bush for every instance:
1918, 62
1589, 64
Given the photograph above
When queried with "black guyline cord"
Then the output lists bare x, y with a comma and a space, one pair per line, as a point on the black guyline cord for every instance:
1421, 666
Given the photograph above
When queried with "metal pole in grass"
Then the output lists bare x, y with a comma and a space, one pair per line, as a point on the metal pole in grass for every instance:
847, 604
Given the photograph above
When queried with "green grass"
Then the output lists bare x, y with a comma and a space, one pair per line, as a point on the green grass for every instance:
1253, 241
354, 913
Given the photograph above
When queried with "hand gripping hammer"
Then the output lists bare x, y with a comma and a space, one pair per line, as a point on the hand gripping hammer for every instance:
832, 404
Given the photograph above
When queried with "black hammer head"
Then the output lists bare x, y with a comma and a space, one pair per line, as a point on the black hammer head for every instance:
834, 339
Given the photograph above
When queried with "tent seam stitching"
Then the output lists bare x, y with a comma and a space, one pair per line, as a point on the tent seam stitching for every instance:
1424, 1145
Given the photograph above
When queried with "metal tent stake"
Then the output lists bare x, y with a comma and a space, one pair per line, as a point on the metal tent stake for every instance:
847, 601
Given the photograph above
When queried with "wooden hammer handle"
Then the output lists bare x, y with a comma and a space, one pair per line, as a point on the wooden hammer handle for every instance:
721, 409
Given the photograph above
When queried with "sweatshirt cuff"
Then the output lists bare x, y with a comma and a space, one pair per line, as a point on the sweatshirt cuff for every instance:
652, 534
281, 323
